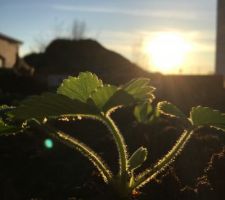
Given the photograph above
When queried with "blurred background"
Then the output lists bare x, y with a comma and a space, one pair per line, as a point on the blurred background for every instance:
178, 44
181, 33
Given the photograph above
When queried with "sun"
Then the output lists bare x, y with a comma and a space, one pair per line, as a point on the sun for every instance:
167, 52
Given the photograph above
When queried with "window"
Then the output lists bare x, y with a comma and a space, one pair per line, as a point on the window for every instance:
1, 62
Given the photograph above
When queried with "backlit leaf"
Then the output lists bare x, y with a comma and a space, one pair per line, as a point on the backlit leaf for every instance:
169, 109
102, 95
84, 94
50, 105
138, 157
4, 109
142, 112
119, 98
6, 129
204, 116
140, 89
81, 87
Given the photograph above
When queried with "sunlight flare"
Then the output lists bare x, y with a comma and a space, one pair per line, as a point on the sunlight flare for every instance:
167, 51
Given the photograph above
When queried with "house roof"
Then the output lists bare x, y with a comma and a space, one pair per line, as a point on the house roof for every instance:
10, 39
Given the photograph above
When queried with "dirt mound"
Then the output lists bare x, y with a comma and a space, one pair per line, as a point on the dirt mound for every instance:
64, 56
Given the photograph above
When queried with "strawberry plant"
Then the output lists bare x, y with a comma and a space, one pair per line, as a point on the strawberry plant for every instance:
87, 97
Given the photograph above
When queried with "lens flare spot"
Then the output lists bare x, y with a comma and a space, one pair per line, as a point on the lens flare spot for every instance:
48, 143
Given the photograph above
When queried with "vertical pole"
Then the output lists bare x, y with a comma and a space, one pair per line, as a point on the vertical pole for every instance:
220, 38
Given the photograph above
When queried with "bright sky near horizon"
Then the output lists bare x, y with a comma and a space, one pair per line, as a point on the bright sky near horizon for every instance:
125, 26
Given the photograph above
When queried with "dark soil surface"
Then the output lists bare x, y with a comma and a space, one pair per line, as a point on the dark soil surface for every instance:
28, 170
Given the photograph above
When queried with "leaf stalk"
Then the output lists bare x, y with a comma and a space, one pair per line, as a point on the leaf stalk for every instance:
121, 146
164, 162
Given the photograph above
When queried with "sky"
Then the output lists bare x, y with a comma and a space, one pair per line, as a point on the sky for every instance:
120, 25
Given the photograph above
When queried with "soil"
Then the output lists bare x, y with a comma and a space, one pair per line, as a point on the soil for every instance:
28, 170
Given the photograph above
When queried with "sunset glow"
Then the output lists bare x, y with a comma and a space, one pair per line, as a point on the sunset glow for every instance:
167, 52
132, 32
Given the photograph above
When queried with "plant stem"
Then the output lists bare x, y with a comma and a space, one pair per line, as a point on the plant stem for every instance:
164, 162
118, 137
81, 147
121, 145
85, 150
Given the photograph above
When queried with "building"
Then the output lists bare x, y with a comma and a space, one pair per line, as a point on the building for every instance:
9, 48
220, 40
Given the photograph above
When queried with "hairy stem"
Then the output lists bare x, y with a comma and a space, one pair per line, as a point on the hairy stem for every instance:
81, 147
120, 143
164, 162
86, 151
80, 116
121, 146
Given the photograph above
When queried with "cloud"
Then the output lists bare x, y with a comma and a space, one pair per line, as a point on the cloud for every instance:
171, 13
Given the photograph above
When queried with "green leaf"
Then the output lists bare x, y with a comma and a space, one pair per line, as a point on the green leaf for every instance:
138, 157
169, 109
140, 89
6, 129
4, 109
204, 116
81, 87
84, 94
102, 95
109, 97
87, 88
119, 98
50, 105
142, 112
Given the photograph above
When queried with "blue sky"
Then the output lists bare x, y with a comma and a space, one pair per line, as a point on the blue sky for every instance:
121, 25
